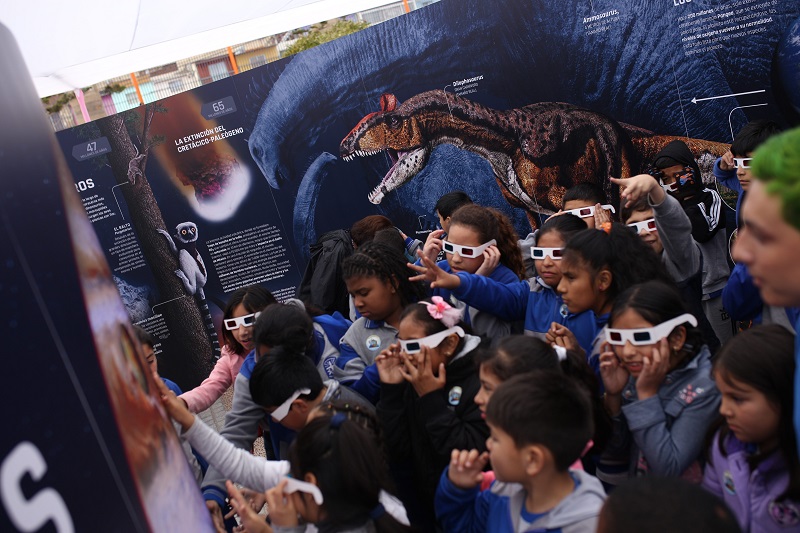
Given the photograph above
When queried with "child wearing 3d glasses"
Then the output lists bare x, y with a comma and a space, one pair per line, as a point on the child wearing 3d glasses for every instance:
679, 174
428, 381
534, 301
480, 241
659, 390
663, 225
241, 311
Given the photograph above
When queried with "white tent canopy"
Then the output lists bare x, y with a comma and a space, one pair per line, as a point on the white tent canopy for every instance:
69, 45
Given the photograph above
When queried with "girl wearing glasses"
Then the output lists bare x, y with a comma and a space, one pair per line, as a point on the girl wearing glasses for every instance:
596, 267
659, 391
662, 224
428, 382
535, 301
480, 241
237, 334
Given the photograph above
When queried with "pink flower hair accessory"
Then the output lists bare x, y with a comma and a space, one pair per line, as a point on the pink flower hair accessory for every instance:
443, 311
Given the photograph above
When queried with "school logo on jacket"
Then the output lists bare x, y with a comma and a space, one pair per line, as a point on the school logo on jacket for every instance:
373, 343
786, 514
727, 482
454, 396
329, 363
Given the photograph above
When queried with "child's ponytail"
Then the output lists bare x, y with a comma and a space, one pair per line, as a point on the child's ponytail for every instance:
341, 452
574, 366
622, 252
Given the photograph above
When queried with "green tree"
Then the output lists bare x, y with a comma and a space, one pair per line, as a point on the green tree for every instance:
322, 33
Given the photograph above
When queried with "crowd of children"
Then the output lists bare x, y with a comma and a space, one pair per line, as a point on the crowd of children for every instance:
585, 378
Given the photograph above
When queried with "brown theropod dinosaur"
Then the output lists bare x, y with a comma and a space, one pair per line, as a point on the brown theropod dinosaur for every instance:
536, 152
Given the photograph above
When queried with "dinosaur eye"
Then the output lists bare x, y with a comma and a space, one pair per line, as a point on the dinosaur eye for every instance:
394, 122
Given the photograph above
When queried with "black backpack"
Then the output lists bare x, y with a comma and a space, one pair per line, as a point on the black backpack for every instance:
322, 283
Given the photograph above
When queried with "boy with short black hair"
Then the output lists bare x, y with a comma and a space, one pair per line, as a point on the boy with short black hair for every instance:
733, 169
288, 386
445, 207
576, 200
540, 424
583, 195
449, 204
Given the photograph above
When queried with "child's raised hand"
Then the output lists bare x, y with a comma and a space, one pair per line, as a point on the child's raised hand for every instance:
639, 186
251, 522
654, 370
282, 511
491, 258
175, 407
726, 161
390, 364
421, 375
601, 216
466, 468
560, 335
613, 374
433, 244
430, 272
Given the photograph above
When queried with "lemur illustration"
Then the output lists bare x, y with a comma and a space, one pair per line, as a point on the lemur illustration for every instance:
192, 271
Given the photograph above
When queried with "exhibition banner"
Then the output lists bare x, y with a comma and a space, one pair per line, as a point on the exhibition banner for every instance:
510, 101
87, 445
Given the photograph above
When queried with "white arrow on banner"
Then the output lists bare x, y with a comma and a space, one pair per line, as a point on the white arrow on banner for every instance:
695, 99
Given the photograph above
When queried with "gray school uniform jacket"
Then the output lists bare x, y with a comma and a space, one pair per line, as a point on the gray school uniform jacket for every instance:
681, 255
663, 435
359, 347
682, 258
242, 422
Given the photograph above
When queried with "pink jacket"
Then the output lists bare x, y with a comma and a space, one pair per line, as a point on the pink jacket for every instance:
221, 378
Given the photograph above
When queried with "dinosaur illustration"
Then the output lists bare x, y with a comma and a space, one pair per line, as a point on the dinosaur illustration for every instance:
536, 152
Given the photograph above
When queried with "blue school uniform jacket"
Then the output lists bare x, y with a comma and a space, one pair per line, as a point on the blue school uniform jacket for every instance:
532, 301
483, 321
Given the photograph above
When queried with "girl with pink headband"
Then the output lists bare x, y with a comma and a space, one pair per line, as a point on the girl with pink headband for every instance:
428, 380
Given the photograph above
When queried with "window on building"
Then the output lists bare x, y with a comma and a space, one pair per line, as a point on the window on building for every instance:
218, 70
257, 61
175, 86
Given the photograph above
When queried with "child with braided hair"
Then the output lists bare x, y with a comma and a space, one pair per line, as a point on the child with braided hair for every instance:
376, 276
